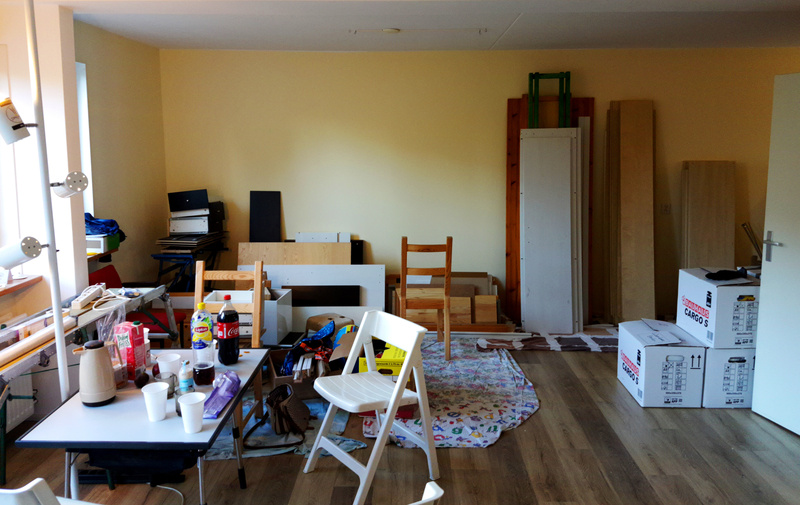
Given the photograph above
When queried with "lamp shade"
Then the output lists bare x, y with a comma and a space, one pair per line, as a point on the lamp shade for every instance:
20, 252
11, 126
75, 182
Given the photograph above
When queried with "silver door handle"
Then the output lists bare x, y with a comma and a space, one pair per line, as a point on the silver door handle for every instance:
768, 244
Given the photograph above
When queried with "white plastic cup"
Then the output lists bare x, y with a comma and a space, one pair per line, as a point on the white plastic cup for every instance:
155, 399
192, 411
169, 363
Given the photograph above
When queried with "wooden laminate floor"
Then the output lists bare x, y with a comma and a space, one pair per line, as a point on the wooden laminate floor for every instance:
588, 443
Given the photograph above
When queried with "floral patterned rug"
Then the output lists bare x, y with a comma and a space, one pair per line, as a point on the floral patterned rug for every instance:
473, 398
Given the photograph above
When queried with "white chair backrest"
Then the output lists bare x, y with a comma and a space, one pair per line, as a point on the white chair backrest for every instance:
391, 329
37, 492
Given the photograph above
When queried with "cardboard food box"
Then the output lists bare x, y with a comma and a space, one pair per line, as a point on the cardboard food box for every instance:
720, 314
729, 378
390, 363
660, 364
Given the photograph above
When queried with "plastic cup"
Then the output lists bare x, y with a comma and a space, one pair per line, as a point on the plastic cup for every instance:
155, 399
169, 363
170, 379
192, 411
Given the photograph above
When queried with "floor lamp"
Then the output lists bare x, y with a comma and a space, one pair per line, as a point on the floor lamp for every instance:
13, 129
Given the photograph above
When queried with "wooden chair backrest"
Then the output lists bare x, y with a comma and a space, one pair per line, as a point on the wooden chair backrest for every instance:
256, 277
443, 271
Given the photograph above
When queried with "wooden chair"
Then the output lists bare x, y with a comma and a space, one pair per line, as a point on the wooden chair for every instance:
256, 307
370, 390
438, 302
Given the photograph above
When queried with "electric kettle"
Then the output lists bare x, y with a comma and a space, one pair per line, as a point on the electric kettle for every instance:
97, 385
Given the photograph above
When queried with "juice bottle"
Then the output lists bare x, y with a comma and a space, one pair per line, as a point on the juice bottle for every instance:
202, 346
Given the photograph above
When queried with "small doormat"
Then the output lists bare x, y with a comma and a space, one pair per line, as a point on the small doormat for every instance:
473, 398
595, 339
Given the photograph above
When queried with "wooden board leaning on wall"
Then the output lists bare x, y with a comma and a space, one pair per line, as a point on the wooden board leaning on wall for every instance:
295, 253
517, 119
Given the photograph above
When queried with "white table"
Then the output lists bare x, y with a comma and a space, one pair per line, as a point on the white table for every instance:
123, 425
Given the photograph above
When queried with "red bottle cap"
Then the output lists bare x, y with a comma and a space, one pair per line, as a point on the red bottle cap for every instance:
226, 297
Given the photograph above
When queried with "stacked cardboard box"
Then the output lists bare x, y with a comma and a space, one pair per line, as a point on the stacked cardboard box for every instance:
723, 316
706, 359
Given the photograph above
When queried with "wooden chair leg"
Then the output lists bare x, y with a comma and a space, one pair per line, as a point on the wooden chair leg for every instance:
440, 325
447, 333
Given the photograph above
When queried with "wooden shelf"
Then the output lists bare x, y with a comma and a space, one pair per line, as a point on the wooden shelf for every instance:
18, 284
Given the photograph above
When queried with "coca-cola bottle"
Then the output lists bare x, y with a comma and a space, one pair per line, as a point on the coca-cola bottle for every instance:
228, 333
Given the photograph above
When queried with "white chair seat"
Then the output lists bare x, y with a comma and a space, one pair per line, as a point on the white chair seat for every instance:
361, 392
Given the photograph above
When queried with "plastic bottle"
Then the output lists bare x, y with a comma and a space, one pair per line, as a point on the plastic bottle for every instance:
185, 376
202, 348
185, 384
228, 333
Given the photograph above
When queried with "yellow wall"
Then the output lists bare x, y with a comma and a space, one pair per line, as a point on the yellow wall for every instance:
127, 139
387, 144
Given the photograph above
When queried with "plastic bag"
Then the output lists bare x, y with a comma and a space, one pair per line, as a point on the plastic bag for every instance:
226, 385
105, 325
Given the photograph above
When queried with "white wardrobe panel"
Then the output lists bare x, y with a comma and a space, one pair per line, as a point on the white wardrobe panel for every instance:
550, 231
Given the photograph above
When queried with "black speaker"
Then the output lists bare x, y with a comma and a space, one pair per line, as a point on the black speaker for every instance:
356, 252
265, 216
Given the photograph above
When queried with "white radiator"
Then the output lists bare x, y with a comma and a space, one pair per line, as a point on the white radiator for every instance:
19, 410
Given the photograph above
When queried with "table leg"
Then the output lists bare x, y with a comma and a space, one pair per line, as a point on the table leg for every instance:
71, 488
258, 395
200, 480
238, 444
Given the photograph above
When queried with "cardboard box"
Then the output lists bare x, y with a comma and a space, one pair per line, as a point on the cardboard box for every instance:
304, 389
660, 365
390, 363
729, 378
720, 314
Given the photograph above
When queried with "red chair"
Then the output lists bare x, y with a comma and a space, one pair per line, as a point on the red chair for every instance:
108, 274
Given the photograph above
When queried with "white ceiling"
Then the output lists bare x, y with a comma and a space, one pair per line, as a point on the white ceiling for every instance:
339, 25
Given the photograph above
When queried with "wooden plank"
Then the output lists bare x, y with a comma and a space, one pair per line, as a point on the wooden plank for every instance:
612, 306
485, 309
295, 253
516, 120
636, 217
460, 312
708, 214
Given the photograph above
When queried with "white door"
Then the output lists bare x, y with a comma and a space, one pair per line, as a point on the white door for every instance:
777, 375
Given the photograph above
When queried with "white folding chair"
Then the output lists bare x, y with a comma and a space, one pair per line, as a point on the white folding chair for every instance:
432, 493
363, 392
37, 492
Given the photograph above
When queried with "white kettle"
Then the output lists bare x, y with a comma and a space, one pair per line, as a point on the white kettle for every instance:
97, 386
